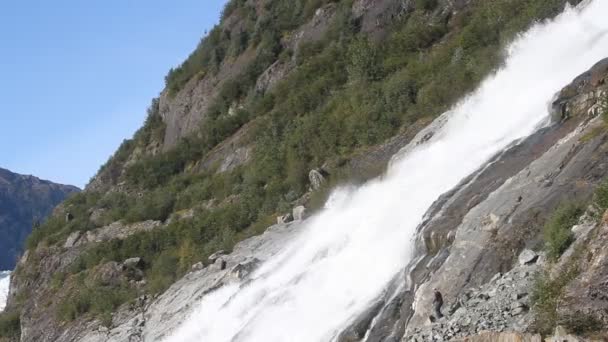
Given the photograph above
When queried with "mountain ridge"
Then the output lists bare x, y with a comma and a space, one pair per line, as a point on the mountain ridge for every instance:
24, 200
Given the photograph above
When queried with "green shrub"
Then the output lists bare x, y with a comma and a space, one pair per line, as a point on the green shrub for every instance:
363, 60
426, 5
604, 108
165, 270
546, 295
55, 228
581, 324
75, 306
557, 231
154, 205
10, 325
99, 301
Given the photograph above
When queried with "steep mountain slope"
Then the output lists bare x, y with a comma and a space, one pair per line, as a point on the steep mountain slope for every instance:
281, 102
489, 300
23, 201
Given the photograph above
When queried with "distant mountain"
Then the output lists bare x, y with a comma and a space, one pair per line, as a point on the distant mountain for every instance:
23, 200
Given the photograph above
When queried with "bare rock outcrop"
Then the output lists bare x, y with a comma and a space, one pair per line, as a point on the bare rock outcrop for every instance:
116, 230
316, 178
229, 154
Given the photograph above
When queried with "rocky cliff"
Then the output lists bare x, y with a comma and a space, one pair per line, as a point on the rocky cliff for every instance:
24, 200
490, 289
228, 147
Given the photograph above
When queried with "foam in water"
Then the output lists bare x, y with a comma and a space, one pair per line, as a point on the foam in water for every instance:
5, 279
346, 255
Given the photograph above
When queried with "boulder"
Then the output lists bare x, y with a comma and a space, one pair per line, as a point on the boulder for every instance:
490, 223
527, 257
220, 264
96, 217
133, 269
316, 178
299, 212
216, 255
72, 239
244, 269
284, 218
108, 274
133, 263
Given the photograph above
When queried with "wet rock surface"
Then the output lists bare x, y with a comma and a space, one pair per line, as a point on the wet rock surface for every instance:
480, 228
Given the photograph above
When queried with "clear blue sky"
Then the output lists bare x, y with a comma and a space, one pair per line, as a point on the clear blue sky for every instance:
77, 76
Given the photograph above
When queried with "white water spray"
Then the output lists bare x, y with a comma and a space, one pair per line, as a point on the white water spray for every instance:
5, 279
345, 256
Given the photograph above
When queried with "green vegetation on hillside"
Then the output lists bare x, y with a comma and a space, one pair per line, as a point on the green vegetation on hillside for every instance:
546, 295
346, 92
10, 326
558, 229
548, 289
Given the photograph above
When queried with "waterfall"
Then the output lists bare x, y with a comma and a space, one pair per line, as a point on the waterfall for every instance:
5, 279
344, 257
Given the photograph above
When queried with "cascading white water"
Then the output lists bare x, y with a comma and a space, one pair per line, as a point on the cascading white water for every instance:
345, 256
5, 279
